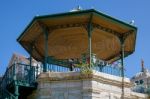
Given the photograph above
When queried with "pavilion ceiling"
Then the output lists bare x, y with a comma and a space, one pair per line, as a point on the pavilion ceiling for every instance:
68, 35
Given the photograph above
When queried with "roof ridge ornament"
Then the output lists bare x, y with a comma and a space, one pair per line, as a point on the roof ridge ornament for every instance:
78, 8
132, 22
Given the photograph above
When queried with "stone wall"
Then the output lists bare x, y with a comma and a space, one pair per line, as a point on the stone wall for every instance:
74, 85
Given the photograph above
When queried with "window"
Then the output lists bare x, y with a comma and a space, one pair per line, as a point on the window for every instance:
141, 81
136, 82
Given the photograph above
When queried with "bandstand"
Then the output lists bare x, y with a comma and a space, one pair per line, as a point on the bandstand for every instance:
66, 42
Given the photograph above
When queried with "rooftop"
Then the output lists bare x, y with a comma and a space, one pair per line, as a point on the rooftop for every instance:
68, 35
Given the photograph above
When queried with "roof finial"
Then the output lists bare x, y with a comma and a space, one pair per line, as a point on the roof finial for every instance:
78, 8
142, 65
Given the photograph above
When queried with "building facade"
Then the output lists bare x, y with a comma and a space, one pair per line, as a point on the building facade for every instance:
74, 85
141, 80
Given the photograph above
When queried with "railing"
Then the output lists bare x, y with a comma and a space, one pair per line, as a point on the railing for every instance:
141, 89
100, 68
108, 70
67, 65
27, 74
56, 68
5, 94
15, 75
23, 73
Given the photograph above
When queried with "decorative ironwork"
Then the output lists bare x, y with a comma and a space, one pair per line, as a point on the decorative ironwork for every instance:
15, 76
127, 34
108, 30
141, 89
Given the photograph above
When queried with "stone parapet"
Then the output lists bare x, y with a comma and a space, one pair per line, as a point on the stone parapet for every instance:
75, 85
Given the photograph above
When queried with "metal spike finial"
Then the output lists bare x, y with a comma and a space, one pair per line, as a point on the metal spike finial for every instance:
142, 65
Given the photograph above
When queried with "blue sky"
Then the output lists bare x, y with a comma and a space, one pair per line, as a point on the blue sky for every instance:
15, 15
